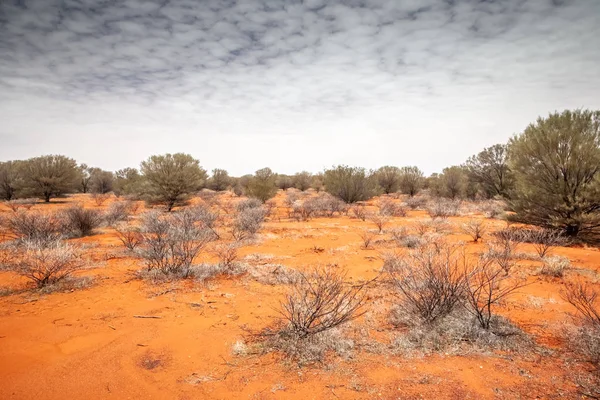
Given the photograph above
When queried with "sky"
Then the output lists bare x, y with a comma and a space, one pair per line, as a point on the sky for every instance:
291, 85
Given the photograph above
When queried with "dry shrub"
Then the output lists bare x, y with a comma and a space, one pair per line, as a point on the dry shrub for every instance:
319, 302
555, 266
390, 209
248, 222
208, 218
544, 239
17, 204
487, 285
503, 249
443, 209
416, 202
367, 237
430, 283
379, 220
129, 236
46, 263
34, 226
474, 228
100, 198
171, 242
491, 208
119, 211
585, 341
79, 221
227, 253
273, 274
246, 204
359, 211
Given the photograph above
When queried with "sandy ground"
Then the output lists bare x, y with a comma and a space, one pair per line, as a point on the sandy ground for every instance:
86, 344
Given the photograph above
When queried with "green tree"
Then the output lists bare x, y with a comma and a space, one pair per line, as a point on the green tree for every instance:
101, 181
350, 184
302, 180
411, 180
556, 163
388, 178
11, 179
50, 176
171, 178
262, 185
490, 170
220, 180
451, 183
128, 181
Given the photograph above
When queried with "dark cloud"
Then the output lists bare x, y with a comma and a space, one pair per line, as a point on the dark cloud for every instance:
263, 72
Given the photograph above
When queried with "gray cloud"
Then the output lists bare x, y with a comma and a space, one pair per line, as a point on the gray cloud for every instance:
289, 84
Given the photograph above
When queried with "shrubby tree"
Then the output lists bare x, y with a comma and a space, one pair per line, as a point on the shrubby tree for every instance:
262, 185
411, 180
350, 184
451, 183
172, 177
388, 178
284, 182
10, 179
556, 163
101, 181
219, 181
490, 170
128, 181
302, 180
50, 176
84, 177
317, 182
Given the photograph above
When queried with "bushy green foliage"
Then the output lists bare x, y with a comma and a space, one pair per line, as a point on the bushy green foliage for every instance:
411, 180
171, 178
556, 163
490, 170
11, 179
350, 184
262, 185
220, 180
50, 176
388, 178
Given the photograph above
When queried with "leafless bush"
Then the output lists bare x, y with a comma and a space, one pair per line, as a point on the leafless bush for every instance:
555, 266
416, 202
586, 340
443, 209
367, 237
274, 274
46, 263
227, 253
398, 234
246, 204
81, 221
208, 218
543, 239
474, 228
359, 211
492, 208
100, 198
430, 282
379, 220
422, 227
119, 211
303, 210
390, 209
318, 303
34, 226
487, 285
171, 242
129, 236
21, 203
247, 223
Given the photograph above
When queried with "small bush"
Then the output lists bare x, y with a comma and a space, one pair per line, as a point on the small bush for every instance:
555, 266
21, 203
119, 211
430, 283
359, 211
172, 242
247, 223
443, 209
81, 221
100, 198
318, 303
34, 227
227, 253
247, 204
45, 264
417, 202
379, 220
390, 209
129, 236
586, 340
367, 238
474, 228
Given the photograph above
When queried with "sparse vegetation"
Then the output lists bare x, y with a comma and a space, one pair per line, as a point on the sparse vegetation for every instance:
350, 184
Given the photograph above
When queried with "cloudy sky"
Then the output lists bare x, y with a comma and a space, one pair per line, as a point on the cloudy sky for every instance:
289, 84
